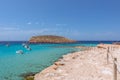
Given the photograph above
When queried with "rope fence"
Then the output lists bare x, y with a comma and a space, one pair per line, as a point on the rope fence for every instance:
116, 65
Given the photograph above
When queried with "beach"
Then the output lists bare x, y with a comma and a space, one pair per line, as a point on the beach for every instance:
89, 64
60, 40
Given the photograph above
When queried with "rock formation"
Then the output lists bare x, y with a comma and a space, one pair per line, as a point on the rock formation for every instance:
116, 43
50, 39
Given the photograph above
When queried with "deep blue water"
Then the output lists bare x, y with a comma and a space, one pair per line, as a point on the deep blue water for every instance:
12, 65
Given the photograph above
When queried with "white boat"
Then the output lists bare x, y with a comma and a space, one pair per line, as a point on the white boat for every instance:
7, 45
23, 44
19, 52
26, 46
29, 48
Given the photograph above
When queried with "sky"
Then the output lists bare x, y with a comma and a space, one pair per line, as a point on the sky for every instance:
75, 19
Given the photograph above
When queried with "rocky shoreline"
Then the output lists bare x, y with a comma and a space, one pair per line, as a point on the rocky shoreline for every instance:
88, 64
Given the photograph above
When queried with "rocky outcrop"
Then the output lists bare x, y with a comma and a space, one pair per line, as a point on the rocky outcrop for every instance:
50, 39
28, 76
116, 43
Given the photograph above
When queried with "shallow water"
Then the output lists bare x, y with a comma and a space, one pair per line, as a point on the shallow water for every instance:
12, 65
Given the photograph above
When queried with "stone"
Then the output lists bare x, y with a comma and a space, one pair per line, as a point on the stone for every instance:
28, 76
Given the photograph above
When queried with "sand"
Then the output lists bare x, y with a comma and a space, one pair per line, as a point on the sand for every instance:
90, 64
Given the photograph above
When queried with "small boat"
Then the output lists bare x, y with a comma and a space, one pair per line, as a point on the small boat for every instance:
7, 45
29, 49
24, 44
19, 52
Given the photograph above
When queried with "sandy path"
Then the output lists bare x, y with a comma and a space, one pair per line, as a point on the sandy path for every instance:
84, 65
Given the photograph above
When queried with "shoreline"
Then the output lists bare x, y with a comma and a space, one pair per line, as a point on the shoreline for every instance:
30, 75
88, 64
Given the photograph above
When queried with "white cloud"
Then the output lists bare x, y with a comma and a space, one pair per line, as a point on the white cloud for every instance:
105, 34
61, 24
10, 28
21, 34
42, 24
12, 33
29, 23
37, 23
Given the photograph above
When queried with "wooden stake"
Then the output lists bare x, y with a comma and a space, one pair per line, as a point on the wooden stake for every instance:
108, 55
107, 58
115, 69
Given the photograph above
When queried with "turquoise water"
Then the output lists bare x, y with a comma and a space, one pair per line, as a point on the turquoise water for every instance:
12, 65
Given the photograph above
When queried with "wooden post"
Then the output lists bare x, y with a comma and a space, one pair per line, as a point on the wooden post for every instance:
108, 55
107, 58
115, 69
108, 50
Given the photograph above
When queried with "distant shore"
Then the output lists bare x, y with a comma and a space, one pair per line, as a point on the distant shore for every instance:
89, 64
50, 39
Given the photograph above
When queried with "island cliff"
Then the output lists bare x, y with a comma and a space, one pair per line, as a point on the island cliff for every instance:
50, 39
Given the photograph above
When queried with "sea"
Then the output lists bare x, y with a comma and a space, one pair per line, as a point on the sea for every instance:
41, 55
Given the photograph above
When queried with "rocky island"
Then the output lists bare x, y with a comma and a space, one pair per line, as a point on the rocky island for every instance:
50, 39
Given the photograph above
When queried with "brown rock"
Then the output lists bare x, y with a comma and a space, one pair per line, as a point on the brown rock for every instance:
50, 39
59, 63
116, 43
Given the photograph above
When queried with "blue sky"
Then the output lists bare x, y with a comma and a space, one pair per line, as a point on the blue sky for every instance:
75, 19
